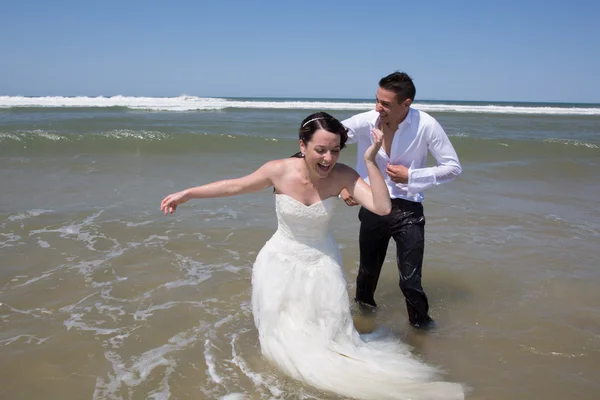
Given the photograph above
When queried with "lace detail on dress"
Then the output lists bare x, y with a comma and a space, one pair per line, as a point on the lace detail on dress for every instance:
305, 224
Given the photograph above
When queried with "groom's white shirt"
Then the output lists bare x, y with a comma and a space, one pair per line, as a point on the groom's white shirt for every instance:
417, 135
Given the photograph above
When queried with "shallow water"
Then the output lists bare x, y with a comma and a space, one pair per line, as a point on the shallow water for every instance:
104, 297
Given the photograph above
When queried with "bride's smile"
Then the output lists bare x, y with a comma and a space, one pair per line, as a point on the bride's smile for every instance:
321, 153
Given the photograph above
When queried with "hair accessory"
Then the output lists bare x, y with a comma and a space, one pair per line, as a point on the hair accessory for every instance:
311, 120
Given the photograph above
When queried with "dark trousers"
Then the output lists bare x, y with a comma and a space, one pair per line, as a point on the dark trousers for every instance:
406, 224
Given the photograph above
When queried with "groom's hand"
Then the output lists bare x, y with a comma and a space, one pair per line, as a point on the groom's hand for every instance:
347, 198
397, 173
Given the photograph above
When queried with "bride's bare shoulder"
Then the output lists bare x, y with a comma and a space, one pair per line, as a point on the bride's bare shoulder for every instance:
282, 167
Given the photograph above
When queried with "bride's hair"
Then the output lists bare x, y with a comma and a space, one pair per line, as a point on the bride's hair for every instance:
321, 120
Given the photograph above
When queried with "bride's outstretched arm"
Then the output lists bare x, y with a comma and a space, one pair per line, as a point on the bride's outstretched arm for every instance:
260, 179
375, 196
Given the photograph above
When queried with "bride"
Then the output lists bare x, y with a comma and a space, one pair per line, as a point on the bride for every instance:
299, 298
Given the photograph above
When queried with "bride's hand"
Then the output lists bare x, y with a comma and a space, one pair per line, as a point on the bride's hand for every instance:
371, 152
170, 203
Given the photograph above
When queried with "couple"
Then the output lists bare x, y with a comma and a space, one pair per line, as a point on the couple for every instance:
299, 297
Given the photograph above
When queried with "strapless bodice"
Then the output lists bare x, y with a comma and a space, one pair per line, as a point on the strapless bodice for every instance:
305, 224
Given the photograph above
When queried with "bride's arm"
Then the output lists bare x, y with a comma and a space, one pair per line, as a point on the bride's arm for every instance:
376, 197
260, 179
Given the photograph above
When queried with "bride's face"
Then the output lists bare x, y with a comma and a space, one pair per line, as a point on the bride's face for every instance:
322, 152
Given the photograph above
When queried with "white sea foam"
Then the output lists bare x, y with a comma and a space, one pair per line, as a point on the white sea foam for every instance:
131, 134
573, 143
11, 240
29, 339
8, 136
135, 224
75, 321
223, 213
142, 315
195, 272
210, 362
507, 109
28, 214
194, 103
47, 135
225, 320
35, 312
260, 381
114, 312
43, 244
35, 279
139, 368
235, 396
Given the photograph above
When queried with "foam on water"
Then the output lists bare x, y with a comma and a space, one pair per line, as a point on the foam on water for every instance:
210, 362
28, 214
235, 396
131, 134
222, 213
142, 315
507, 109
551, 353
9, 136
181, 103
80, 231
573, 143
195, 272
260, 381
145, 314
19, 135
75, 321
135, 224
28, 339
10, 239
35, 312
43, 244
34, 279
194, 103
138, 369
142, 142
111, 320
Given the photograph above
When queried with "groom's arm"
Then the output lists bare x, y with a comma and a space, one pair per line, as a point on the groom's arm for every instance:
357, 125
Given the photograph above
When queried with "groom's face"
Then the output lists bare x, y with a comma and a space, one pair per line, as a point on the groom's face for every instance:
388, 107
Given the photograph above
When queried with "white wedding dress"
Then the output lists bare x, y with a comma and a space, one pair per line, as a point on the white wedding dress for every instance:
302, 313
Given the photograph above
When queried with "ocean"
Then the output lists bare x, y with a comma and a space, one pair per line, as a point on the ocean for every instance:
103, 297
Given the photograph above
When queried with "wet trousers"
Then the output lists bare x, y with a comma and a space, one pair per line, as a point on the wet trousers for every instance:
406, 225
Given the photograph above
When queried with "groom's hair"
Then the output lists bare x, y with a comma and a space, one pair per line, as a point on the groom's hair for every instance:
321, 120
401, 84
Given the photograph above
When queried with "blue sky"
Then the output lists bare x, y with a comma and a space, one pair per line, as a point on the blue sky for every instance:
463, 50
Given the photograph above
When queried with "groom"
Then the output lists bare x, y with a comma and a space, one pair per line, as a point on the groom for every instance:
408, 135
